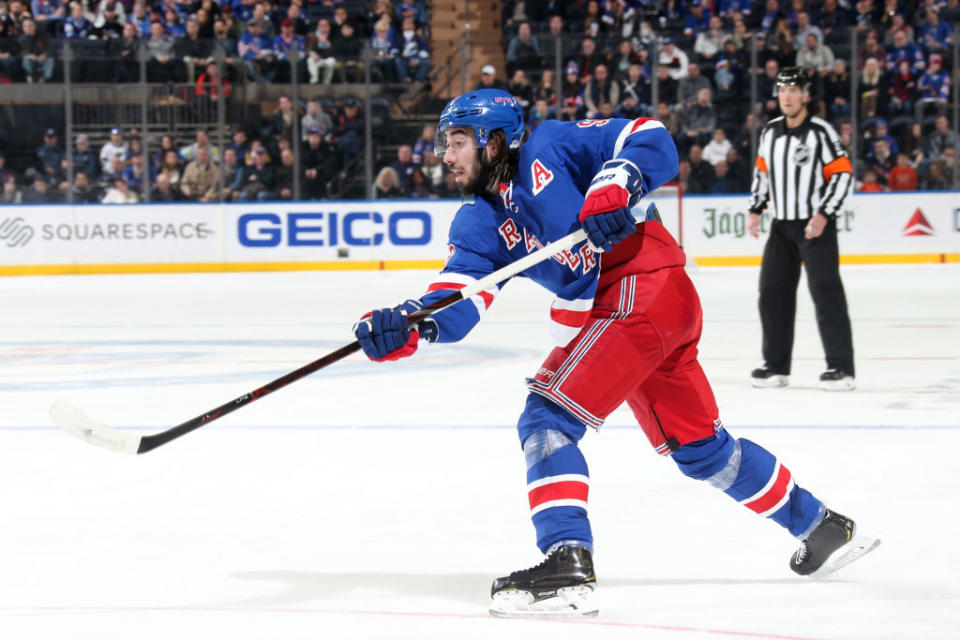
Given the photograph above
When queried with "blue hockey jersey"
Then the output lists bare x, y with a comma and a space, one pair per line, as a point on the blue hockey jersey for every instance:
541, 205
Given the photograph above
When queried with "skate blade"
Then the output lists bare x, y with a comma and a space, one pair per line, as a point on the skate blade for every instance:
569, 602
853, 550
846, 384
771, 382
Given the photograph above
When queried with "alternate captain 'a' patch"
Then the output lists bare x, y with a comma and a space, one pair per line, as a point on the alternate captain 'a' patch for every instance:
541, 176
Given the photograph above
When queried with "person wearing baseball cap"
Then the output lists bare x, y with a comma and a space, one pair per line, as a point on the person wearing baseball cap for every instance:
488, 78
115, 146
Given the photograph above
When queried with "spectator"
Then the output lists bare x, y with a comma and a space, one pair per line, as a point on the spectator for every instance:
935, 180
805, 28
903, 91
738, 173
781, 45
600, 88
258, 177
224, 42
17, 12
300, 26
232, 175
489, 80
201, 178
204, 15
35, 54
940, 139
172, 25
523, 52
836, 91
620, 61
76, 26
256, 51
81, 191
171, 168
667, 85
383, 49
164, 191
51, 156
315, 118
620, 19
815, 56
85, 160
870, 184
688, 88
716, 150
201, 141
539, 114
709, 43
667, 117
209, 83
419, 186
721, 179
238, 142
449, 187
521, 88
124, 50
283, 43
162, 65
903, 177
387, 184
728, 89
119, 193
904, 50
261, 12
47, 11
700, 121
347, 50
874, 91
193, 51
933, 89
881, 162
433, 171
636, 93
348, 130
9, 50
593, 24
113, 172
133, 174
766, 89
697, 20
141, 18
423, 147
113, 147
674, 59
572, 99
321, 56
701, 172
934, 34
40, 191
404, 166
281, 121
589, 57
546, 89
319, 159
283, 177
833, 18
11, 194
871, 49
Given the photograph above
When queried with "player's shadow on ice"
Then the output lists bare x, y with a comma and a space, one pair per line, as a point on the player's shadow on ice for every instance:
473, 588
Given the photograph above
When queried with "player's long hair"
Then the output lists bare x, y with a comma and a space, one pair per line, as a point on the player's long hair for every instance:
504, 167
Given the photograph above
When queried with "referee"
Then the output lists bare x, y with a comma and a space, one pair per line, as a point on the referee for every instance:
803, 175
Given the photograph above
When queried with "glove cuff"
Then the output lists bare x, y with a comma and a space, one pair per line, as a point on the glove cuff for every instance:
622, 173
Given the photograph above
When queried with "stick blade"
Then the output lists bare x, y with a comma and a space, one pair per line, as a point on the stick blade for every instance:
82, 426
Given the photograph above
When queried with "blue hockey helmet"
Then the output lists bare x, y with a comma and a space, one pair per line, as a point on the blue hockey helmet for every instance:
484, 111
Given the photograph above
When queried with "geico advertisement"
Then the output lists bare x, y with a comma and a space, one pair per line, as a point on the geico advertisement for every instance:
888, 223
90, 234
397, 229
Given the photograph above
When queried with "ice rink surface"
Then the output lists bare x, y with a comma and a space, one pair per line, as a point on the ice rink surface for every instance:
378, 501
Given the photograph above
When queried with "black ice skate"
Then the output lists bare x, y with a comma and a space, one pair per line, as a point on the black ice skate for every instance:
837, 380
833, 544
563, 585
763, 377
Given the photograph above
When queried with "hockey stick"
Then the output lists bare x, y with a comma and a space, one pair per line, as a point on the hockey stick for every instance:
78, 424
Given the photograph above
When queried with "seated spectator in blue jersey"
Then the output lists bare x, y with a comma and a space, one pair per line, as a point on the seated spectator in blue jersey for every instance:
172, 23
36, 54
387, 184
133, 175
727, 8
600, 88
320, 53
902, 49
636, 92
934, 33
933, 89
141, 18
881, 131
48, 12
697, 20
385, 61
51, 157
348, 49
76, 26
523, 52
413, 62
423, 147
256, 51
283, 43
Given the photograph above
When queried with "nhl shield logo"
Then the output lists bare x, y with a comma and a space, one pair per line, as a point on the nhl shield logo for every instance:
801, 154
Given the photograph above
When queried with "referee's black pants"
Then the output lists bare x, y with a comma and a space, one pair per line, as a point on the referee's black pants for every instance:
786, 248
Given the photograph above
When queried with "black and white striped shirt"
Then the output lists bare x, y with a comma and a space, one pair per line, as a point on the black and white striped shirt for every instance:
800, 172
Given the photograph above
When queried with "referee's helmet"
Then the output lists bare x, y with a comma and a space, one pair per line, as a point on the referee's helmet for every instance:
795, 76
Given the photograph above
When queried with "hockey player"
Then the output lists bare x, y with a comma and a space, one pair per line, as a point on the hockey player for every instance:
626, 321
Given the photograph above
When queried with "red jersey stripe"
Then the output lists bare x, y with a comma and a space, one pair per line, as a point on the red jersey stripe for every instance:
569, 318
445, 285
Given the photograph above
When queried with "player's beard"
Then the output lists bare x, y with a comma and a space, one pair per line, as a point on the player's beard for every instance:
475, 185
